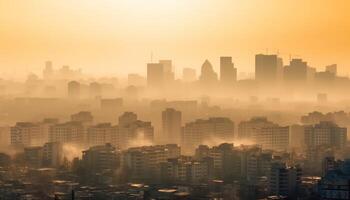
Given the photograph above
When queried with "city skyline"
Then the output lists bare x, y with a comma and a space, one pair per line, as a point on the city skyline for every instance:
175, 100
179, 73
104, 37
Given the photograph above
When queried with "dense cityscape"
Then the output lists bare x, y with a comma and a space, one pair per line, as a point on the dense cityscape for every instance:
174, 100
67, 135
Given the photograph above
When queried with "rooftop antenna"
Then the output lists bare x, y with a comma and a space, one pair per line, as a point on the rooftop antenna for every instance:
278, 52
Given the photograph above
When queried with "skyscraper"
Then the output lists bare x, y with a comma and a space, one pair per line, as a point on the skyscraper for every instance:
171, 119
208, 76
268, 68
296, 72
228, 73
155, 75
73, 89
169, 75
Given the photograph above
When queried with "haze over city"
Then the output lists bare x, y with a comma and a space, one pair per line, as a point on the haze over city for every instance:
174, 100
117, 37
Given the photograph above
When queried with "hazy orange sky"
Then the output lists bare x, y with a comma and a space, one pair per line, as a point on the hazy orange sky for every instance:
113, 37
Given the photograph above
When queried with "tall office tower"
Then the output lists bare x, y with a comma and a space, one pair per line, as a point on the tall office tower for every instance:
332, 69
284, 181
26, 134
143, 162
100, 158
171, 121
188, 74
74, 90
133, 132
69, 132
228, 73
248, 129
169, 75
296, 72
100, 134
95, 90
197, 132
48, 71
52, 154
268, 68
208, 76
155, 75
84, 117
325, 134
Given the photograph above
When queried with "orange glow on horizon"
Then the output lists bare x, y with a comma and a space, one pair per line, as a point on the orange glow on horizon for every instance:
117, 37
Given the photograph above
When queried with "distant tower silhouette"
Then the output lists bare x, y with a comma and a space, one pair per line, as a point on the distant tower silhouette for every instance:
155, 75
168, 71
268, 68
296, 72
208, 76
228, 73
74, 90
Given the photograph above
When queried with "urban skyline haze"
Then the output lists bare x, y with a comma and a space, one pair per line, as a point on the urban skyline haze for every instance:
118, 37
